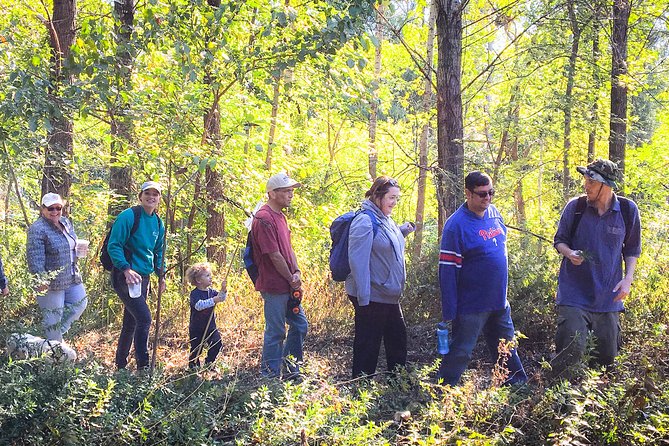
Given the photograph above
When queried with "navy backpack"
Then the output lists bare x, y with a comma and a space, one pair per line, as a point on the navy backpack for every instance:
339, 228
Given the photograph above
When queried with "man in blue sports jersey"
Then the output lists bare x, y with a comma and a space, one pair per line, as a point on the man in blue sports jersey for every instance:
473, 270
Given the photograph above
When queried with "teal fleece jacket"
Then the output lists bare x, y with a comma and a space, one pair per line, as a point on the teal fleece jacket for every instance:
146, 244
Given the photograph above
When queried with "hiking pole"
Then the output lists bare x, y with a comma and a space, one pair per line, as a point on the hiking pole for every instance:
213, 309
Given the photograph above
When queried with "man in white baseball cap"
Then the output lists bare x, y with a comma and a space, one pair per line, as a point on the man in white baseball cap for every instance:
280, 181
279, 278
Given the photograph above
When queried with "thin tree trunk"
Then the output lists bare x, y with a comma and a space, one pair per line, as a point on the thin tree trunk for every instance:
373, 155
425, 132
60, 142
568, 100
450, 149
618, 124
272, 125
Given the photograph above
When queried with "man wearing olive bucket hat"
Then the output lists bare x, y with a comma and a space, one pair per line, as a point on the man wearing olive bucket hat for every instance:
596, 234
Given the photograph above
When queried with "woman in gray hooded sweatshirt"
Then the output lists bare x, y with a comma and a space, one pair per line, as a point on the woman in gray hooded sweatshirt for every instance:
376, 282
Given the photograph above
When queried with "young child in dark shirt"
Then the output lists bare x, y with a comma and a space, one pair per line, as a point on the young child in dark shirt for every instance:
202, 328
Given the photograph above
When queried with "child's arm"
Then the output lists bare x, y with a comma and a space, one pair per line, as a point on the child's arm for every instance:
203, 304
223, 293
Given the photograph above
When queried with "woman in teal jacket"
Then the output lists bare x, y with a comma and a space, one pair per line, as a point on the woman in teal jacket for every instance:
135, 255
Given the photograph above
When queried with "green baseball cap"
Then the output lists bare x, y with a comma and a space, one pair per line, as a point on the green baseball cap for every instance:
602, 170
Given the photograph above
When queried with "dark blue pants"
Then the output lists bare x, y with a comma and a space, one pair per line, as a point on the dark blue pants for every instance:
466, 329
136, 322
199, 338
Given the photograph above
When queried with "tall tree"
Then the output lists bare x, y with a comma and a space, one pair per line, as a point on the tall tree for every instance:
568, 97
214, 181
425, 132
60, 141
120, 173
596, 80
373, 154
450, 148
618, 122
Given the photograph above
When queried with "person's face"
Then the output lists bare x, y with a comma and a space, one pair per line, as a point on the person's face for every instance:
53, 212
480, 198
389, 200
150, 199
593, 188
203, 279
282, 196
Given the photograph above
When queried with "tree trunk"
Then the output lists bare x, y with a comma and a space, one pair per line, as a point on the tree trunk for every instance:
422, 145
450, 149
60, 142
120, 175
214, 189
373, 155
618, 124
568, 101
213, 179
597, 83
272, 125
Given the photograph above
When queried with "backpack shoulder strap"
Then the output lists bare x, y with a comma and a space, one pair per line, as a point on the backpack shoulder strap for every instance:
137, 214
581, 205
373, 218
625, 209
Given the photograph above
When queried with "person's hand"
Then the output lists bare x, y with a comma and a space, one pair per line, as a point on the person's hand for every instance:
296, 281
623, 288
132, 276
575, 257
40, 289
224, 286
220, 297
5, 291
408, 228
162, 286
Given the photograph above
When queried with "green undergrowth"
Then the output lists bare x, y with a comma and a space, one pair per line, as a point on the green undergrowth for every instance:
43, 403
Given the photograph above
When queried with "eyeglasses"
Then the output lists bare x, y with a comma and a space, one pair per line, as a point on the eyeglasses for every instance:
484, 194
54, 208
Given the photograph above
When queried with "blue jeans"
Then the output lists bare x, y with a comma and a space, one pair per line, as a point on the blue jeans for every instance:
136, 322
466, 329
274, 349
61, 308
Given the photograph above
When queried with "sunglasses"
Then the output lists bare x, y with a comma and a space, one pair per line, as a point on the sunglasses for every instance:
54, 208
491, 192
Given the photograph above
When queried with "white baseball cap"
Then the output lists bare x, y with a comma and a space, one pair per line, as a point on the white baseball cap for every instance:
51, 198
152, 185
281, 180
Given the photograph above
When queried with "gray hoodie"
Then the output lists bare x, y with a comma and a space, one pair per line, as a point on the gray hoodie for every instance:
377, 262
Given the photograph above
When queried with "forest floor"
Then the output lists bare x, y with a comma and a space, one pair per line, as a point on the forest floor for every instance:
328, 355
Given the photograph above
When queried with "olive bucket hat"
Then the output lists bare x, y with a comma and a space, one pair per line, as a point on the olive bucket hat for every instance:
602, 170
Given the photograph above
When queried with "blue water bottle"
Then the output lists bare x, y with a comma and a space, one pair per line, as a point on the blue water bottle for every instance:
442, 338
